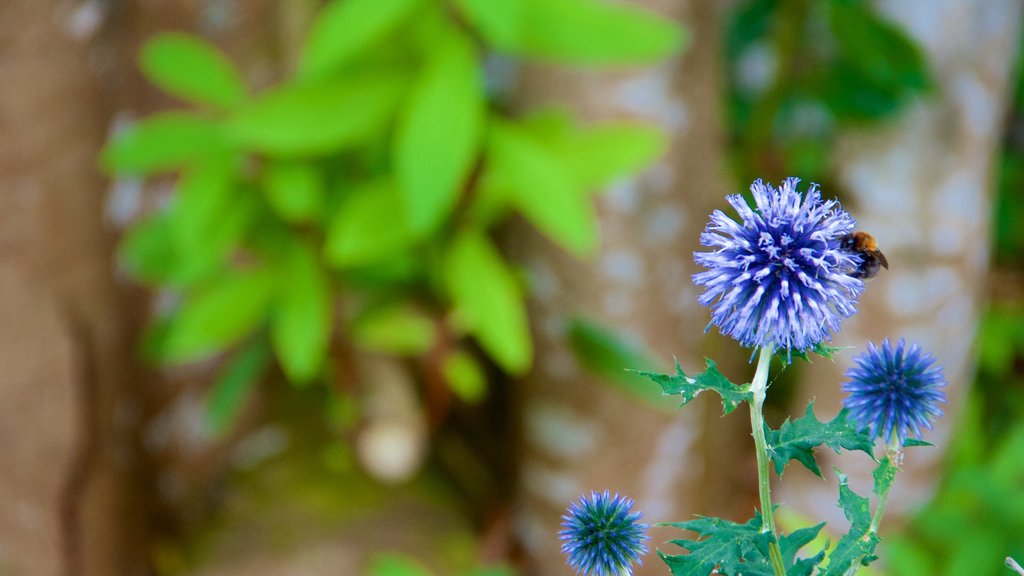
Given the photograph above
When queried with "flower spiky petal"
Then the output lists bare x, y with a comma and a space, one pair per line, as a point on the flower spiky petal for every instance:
602, 536
780, 276
894, 390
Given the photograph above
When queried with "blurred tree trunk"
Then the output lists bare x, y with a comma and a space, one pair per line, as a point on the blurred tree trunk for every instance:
923, 186
69, 500
578, 433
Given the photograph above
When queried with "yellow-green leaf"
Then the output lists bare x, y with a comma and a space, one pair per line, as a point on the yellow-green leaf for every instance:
344, 28
295, 190
191, 68
438, 133
488, 301
162, 142
536, 181
369, 227
464, 376
316, 118
395, 330
596, 32
217, 316
302, 317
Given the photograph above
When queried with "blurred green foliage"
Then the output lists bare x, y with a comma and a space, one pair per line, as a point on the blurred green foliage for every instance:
801, 71
350, 207
394, 564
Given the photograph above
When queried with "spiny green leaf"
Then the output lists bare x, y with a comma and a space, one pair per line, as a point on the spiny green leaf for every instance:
857, 547
797, 439
729, 547
821, 349
488, 300
316, 118
192, 69
438, 134
884, 475
344, 28
227, 396
908, 442
790, 544
162, 142
302, 314
688, 387
535, 180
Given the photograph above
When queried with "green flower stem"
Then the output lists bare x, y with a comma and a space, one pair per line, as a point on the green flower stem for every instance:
894, 452
758, 389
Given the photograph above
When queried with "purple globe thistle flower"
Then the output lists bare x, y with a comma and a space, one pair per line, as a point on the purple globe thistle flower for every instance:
780, 277
601, 536
894, 390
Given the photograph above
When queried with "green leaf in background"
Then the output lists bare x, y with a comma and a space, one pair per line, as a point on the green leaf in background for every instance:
393, 329
438, 134
202, 198
218, 315
598, 154
344, 28
316, 118
394, 564
605, 352
595, 32
879, 49
533, 179
227, 396
295, 190
192, 69
147, 250
797, 439
465, 376
857, 547
162, 142
488, 301
687, 387
209, 216
370, 226
501, 22
301, 316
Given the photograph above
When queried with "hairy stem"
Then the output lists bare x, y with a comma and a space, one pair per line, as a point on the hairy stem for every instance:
758, 389
894, 452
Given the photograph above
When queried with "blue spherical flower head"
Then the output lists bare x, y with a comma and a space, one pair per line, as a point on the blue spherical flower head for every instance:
779, 277
894, 390
601, 536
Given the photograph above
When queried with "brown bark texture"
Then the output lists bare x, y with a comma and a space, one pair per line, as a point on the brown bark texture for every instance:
923, 187
578, 434
67, 499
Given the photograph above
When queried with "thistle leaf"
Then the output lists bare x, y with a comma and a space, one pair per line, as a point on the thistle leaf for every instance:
858, 545
722, 546
797, 439
688, 387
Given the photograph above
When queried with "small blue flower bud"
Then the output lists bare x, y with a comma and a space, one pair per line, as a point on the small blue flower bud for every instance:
602, 537
894, 390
